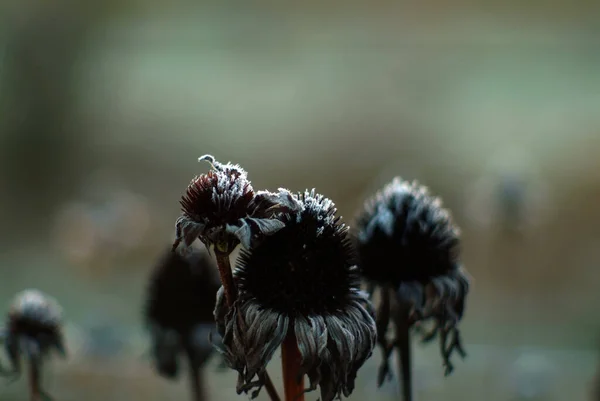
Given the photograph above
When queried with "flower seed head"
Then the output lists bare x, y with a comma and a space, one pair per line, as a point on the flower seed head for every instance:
405, 234
308, 267
301, 278
221, 208
180, 301
408, 246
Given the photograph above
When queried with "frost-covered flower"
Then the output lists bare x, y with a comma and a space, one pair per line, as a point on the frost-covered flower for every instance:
221, 208
408, 246
33, 329
179, 309
302, 278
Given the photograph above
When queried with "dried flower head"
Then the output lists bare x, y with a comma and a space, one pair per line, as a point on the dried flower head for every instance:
33, 329
302, 278
179, 309
408, 244
221, 208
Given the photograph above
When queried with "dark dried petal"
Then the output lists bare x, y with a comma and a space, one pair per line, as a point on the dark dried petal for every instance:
266, 203
199, 341
265, 331
311, 334
334, 347
412, 293
187, 231
361, 322
250, 338
166, 346
252, 229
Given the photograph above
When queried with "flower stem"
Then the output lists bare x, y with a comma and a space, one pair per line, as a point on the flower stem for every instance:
404, 351
35, 393
230, 290
291, 361
196, 381
226, 278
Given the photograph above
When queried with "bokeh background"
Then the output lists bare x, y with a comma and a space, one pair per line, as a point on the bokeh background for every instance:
105, 107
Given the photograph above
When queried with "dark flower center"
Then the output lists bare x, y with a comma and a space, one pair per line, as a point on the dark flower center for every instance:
405, 235
305, 268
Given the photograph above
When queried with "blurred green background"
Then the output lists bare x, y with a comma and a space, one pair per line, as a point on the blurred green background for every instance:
106, 106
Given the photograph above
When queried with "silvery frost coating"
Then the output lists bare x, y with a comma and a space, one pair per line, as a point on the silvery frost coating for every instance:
302, 278
407, 243
33, 329
179, 309
221, 207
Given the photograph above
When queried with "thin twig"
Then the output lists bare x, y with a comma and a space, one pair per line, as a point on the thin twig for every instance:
230, 290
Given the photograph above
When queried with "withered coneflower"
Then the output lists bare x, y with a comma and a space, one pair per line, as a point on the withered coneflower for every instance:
179, 313
299, 288
408, 248
33, 329
222, 210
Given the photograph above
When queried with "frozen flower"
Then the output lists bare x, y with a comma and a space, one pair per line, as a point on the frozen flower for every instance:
301, 280
33, 329
221, 208
408, 248
179, 309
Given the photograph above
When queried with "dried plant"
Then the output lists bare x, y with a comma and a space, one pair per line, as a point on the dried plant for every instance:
33, 329
299, 289
408, 249
179, 313
221, 209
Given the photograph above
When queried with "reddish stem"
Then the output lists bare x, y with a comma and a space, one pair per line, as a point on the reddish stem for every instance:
291, 362
230, 290
226, 277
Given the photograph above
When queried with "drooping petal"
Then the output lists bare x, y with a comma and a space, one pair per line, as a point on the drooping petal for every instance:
200, 344
242, 231
266, 203
265, 331
411, 292
250, 229
333, 347
231, 346
187, 231
363, 327
311, 335
342, 348
221, 310
266, 226
251, 335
